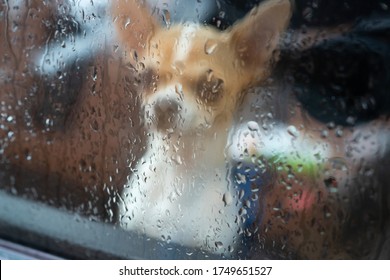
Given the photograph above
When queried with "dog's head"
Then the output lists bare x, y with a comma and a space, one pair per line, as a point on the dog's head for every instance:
194, 75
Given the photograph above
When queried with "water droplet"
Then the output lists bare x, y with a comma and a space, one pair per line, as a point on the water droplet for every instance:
254, 197
339, 132
210, 46
10, 119
331, 184
27, 155
241, 194
14, 191
15, 27
167, 17
240, 178
218, 244
177, 159
60, 75
49, 122
338, 163
127, 23
227, 198
179, 89
141, 66
351, 120
210, 75
253, 126
242, 211
331, 125
82, 165
94, 125
293, 131
324, 133
317, 156
179, 67
10, 135
308, 13
94, 74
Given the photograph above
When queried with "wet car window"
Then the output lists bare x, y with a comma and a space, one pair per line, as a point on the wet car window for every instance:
196, 129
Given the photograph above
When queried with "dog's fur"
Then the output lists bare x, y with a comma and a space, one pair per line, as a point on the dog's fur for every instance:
195, 77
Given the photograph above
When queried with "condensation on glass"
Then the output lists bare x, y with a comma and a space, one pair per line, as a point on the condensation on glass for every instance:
89, 159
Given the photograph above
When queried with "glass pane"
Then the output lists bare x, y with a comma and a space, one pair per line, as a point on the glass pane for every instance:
195, 129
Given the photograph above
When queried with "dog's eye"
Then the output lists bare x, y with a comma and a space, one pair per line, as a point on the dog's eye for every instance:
210, 88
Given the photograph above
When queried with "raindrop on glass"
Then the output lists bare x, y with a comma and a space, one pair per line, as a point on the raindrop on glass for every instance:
253, 126
210, 46
227, 198
293, 131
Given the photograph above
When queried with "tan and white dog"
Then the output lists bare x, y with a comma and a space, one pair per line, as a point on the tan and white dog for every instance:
195, 77
192, 78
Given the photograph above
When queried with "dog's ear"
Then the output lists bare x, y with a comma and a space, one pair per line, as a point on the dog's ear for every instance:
256, 37
134, 23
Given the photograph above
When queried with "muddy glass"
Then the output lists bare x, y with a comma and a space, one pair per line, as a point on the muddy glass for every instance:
196, 129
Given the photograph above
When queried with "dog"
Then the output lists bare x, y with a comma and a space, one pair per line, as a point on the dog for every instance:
85, 150
195, 77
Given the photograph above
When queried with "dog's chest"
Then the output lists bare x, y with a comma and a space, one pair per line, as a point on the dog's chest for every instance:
167, 198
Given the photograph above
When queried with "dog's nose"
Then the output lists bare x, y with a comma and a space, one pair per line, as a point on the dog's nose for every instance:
166, 112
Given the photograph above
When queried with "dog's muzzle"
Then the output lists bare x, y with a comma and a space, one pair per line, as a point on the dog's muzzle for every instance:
163, 113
